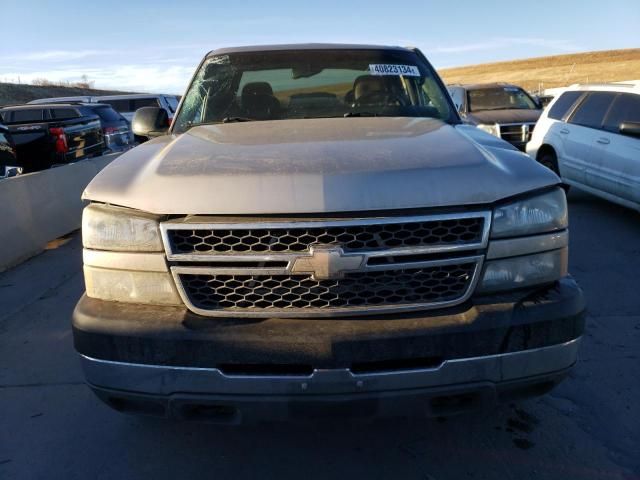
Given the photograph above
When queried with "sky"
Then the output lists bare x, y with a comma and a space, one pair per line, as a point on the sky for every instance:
155, 46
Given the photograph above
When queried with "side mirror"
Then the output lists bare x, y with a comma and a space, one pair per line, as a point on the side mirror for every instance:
150, 122
630, 128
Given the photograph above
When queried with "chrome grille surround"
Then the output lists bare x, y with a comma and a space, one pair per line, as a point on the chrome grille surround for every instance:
516, 133
326, 271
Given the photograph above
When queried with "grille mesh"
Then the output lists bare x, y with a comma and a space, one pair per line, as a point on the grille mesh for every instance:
362, 237
362, 289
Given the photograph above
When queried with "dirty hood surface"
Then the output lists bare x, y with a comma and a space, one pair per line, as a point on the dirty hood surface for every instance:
317, 166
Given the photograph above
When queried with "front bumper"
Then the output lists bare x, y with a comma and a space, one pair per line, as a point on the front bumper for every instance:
169, 362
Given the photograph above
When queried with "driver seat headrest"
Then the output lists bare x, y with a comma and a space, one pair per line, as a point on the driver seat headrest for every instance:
257, 88
367, 84
258, 101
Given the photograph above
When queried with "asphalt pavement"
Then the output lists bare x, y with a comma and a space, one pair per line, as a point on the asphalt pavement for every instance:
52, 427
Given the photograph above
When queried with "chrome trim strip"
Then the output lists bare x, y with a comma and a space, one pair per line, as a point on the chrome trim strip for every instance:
205, 269
324, 312
139, 262
165, 380
284, 257
514, 247
166, 226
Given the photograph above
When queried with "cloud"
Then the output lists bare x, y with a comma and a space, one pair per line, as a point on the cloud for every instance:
169, 79
152, 71
56, 55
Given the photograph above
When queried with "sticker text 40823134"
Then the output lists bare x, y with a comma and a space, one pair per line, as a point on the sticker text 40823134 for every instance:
384, 69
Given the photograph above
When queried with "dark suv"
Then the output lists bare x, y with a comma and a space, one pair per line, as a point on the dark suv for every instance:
501, 109
117, 132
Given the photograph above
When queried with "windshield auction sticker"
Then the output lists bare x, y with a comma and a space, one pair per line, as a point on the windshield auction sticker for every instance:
406, 70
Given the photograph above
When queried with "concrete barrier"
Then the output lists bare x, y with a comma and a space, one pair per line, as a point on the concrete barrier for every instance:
42, 206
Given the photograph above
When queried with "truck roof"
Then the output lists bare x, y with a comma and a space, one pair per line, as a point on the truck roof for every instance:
482, 86
305, 46
30, 106
631, 85
126, 96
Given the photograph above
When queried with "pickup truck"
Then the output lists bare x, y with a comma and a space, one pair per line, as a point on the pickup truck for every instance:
501, 109
8, 161
48, 135
319, 234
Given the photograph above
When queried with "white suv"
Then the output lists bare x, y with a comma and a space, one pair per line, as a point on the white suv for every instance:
590, 136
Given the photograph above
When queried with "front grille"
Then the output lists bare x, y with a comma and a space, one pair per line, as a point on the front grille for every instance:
353, 237
317, 267
301, 292
516, 133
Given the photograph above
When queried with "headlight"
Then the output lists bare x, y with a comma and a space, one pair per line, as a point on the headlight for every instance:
543, 213
120, 229
128, 286
134, 275
489, 128
525, 271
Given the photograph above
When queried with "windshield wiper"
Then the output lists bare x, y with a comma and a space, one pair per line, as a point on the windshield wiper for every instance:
236, 119
360, 114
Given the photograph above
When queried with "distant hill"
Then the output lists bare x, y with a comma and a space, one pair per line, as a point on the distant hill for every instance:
554, 71
11, 93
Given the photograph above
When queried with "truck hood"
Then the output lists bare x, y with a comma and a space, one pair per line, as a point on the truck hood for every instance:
317, 166
512, 115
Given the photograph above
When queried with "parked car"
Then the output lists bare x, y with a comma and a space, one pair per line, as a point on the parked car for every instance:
125, 104
503, 110
76, 99
590, 136
8, 161
53, 134
322, 235
128, 104
118, 135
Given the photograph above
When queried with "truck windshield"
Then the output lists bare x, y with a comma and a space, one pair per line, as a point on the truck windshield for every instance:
312, 84
500, 98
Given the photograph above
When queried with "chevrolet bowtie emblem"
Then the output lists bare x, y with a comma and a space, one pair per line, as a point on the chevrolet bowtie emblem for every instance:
327, 262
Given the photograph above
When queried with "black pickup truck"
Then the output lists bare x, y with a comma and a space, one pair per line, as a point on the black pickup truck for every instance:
48, 135
8, 159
